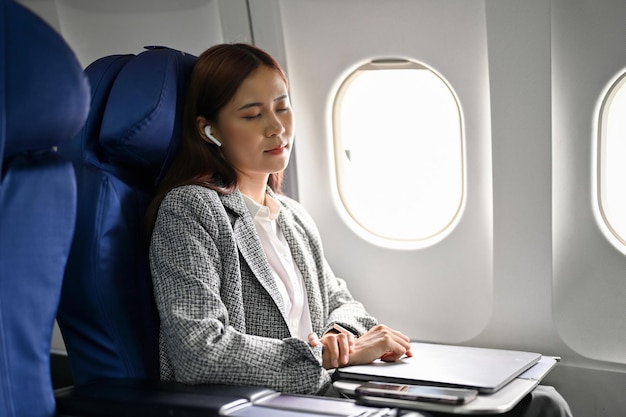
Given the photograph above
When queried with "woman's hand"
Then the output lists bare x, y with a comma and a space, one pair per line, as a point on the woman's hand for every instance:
380, 342
337, 347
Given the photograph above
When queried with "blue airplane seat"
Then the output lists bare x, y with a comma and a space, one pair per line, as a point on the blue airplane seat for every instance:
107, 314
44, 101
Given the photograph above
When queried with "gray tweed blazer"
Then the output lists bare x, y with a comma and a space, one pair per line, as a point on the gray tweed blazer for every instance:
222, 317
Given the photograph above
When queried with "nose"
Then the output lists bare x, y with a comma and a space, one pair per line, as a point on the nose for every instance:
274, 127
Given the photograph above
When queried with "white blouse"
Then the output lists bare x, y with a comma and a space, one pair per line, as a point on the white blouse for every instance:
287, 276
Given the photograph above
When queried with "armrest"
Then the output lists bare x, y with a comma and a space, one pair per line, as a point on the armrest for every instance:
138, 398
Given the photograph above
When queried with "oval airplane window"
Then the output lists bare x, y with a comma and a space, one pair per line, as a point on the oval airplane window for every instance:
612, 154
398, 139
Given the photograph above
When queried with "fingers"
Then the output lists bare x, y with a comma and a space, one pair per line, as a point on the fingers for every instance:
347, 342
337, 348
391, 356
381, 342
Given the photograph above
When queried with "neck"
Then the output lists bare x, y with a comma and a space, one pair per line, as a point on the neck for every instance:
254, 188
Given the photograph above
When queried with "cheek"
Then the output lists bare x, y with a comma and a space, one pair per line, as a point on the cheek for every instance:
240, 146
237, 136
290, 125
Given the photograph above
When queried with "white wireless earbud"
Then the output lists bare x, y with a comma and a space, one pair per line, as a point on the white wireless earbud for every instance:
207, 132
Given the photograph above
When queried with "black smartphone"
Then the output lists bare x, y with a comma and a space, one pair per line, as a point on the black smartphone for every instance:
374, 392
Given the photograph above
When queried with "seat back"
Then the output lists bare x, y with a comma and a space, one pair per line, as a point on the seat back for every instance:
44, 100
107, 314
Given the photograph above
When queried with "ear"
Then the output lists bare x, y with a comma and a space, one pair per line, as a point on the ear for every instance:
201, 124
206, 134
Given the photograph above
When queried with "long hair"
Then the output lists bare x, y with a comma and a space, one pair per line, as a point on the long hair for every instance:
216, 76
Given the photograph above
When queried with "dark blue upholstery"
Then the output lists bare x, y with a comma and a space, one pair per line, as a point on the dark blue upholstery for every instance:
44, 99
107, 314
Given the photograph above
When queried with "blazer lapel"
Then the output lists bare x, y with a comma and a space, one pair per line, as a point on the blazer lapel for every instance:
296, 238
250, 246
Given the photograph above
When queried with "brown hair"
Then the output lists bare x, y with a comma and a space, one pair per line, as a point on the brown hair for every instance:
216, 77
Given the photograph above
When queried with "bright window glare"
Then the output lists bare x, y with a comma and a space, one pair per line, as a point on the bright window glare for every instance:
613, 160
399, 152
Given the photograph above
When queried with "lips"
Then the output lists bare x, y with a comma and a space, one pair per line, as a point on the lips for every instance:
277, 149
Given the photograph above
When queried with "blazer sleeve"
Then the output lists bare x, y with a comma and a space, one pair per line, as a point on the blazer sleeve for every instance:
202, 328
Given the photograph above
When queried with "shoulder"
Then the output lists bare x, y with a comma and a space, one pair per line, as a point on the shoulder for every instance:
193, 201
193, 212
191, 194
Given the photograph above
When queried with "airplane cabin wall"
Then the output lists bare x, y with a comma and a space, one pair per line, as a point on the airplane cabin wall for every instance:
98, 28
589, 286
528, 266
537, 283
450, 301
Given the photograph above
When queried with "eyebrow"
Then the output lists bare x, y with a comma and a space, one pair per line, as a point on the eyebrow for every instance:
258, 104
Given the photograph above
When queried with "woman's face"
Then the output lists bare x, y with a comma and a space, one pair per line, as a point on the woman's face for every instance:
256, 127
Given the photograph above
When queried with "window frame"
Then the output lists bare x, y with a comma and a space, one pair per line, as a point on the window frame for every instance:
338, 146
616, 87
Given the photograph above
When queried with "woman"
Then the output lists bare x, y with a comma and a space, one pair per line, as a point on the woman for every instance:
240, 280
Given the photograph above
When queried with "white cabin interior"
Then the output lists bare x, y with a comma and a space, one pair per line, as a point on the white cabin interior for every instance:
529, 262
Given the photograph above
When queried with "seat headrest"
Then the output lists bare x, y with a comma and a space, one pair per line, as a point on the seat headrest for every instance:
141, 125
46, 91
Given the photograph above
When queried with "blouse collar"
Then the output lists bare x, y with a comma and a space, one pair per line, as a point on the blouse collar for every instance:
269, 211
